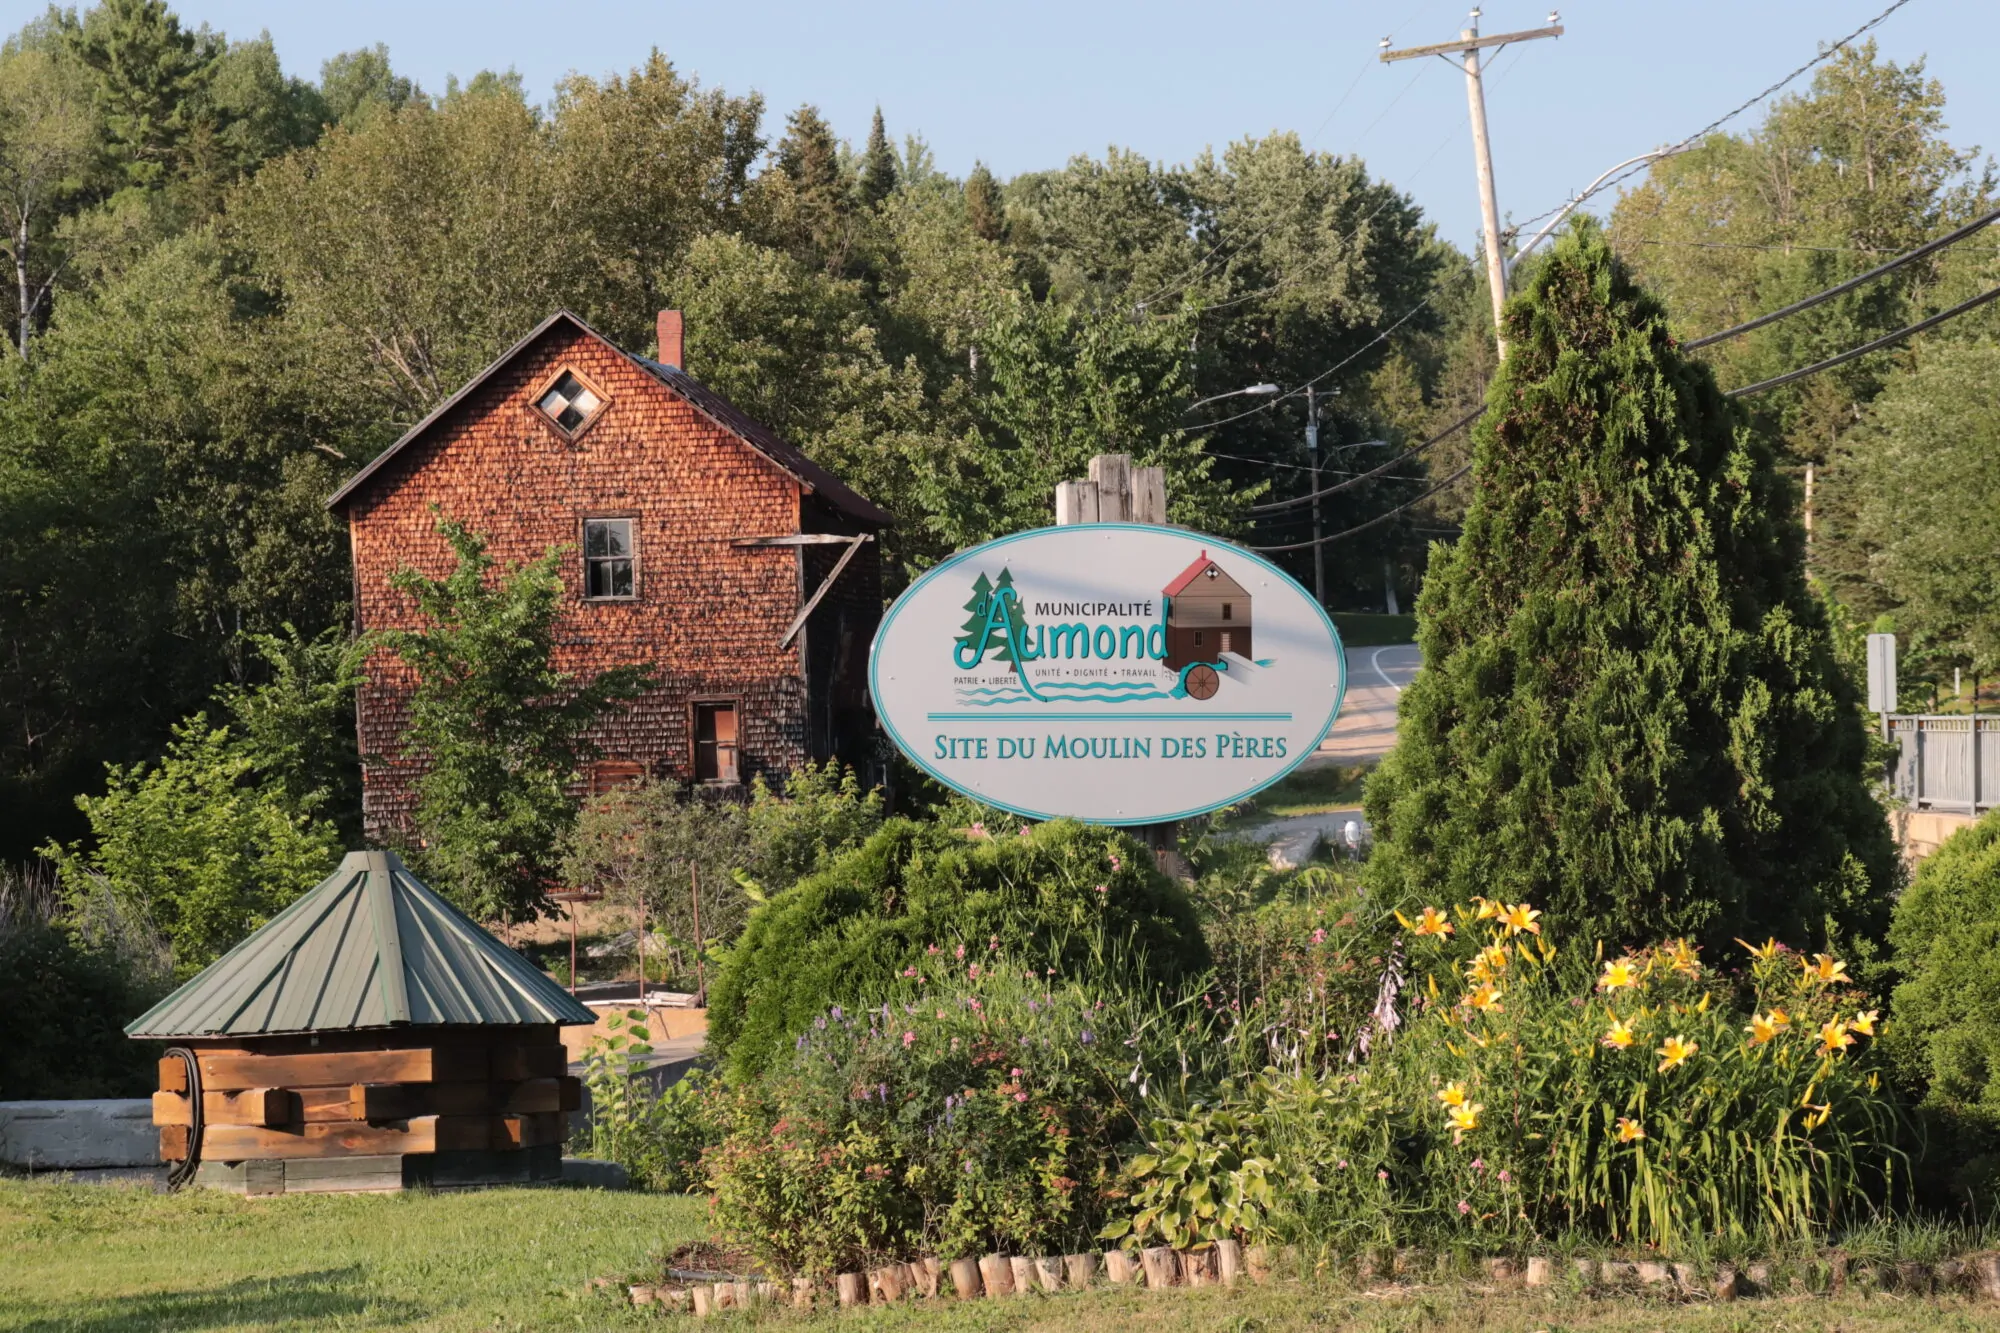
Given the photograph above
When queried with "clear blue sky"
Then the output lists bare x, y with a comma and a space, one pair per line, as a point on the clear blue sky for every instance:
1027, 84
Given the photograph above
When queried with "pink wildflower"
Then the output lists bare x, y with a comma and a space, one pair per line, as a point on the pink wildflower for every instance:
1116, 864
978, 830
1104, 888
1021, 1096
1024, 830
1504, 1177
1464, 1207
1319, 936
977, 1005
1381, 1175
961, 951
909, 971
1014, 1073
909, 1038
1479, 1164
1342, 1166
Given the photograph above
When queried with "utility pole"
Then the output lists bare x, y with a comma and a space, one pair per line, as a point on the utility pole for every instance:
1312, 448
1468, 47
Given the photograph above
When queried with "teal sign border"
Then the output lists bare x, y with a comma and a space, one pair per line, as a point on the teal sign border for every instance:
975, 552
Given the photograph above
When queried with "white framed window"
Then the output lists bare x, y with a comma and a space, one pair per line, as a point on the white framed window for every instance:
610, 559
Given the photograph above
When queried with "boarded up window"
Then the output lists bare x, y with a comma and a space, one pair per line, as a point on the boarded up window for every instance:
715, 742
606, 774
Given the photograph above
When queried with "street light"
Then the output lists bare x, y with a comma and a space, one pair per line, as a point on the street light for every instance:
1257, 390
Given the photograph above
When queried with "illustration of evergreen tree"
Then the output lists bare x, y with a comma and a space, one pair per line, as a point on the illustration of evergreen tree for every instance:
1017, 620
978, 609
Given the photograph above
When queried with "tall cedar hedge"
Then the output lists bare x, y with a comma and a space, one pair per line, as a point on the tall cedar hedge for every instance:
1629, 713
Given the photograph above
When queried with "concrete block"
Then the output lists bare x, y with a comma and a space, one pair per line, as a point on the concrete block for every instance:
72, 1135
589, 1173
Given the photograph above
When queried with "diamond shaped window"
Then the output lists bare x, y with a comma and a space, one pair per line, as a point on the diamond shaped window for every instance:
570, 403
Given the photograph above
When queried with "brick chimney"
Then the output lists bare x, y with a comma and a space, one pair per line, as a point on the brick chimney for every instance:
670, 339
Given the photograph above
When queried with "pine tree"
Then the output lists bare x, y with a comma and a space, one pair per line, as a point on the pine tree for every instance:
818, 205
153, 83
1630, 713
983, 209
878, 165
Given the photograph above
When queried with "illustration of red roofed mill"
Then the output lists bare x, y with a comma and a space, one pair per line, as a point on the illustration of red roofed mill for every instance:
1208, 614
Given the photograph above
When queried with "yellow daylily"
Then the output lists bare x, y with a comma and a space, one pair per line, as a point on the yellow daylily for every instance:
1618, 1036
1486, 1000
1674, 1051
1487, 909
1864, 1022
1763, 1027
1520, 917
1764, 952
1629, 1130
1818, 1114
1453, 1094
1434, 922
1618, 975
1680, 955
1463, 1120
1824, 968
1834, 1038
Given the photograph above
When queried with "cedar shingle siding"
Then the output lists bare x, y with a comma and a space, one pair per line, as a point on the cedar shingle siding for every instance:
707, 614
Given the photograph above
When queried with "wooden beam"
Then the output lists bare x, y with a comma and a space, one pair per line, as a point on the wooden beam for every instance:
511, 1063
444, 1064
1465, 44
174, 1143
173, 1074
798, 622
419, 1134
803, 539
267, 1107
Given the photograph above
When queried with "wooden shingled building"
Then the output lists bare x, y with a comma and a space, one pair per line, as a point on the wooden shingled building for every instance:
369, 1037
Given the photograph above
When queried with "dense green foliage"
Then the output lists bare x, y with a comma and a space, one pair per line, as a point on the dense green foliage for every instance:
1946, 1010
1630, 711
1058, 895
501, 730
67, 1002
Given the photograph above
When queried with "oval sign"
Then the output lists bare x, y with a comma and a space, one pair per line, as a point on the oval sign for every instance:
1111, 672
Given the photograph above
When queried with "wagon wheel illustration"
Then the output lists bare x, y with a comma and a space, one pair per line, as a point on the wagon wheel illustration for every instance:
1201, 682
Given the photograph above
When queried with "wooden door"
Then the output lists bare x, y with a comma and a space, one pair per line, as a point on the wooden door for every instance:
715, 743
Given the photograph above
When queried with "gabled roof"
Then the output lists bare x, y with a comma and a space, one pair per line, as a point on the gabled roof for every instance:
1189, 575
370, 947
788, 459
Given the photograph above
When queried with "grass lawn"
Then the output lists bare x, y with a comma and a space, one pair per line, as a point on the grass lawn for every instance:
1313, 789
96, 1259
1373, 629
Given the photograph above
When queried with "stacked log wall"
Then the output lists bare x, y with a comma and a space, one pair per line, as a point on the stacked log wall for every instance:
460, 1106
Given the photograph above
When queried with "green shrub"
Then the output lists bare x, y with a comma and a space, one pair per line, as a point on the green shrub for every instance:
658, 1137
1062, 895
1946, 1030
66, 1005
822, 814
979, 1109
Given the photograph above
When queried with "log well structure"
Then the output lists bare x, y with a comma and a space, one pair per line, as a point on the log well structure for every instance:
368, 1038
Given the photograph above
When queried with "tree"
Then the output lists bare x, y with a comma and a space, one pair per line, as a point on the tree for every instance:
196, 845
153, 84
500, 732
297, 726
813, 202
1630, 712
653, 843
877, 178
357, 84
1913, 505
984, 210
49, 139
821, 815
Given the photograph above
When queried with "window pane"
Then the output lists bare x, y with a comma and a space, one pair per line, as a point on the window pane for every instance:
586, 402
619, 575
569, 418
596, 538
617, 536
594, 582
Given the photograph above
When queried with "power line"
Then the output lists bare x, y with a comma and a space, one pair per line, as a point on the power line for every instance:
1380, 518
1409, 453
1841, 288
1826, 53
1963, 307
1885, 340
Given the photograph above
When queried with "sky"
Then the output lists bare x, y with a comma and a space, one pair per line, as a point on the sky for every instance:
1028, 84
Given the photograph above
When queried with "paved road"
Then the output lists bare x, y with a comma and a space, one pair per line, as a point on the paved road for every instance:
1366, 727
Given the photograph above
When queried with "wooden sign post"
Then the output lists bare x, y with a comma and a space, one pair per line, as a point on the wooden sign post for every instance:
1117, 492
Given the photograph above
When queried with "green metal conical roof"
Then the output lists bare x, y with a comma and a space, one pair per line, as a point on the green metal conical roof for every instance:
370, 947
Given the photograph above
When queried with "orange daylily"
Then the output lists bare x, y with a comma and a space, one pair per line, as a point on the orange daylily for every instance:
1674, 1051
